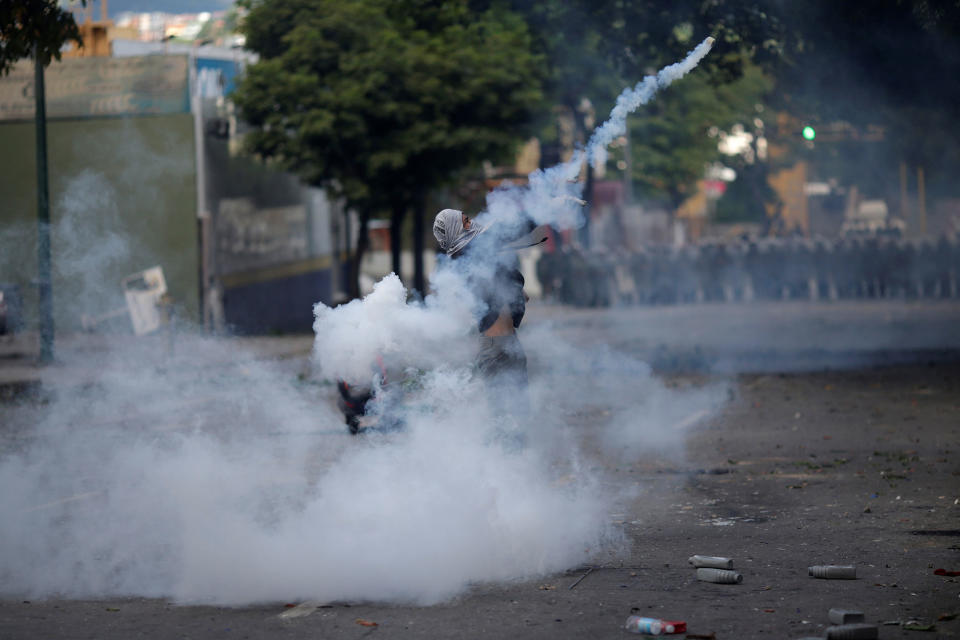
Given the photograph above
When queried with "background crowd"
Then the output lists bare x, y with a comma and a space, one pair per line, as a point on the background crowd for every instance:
755, 269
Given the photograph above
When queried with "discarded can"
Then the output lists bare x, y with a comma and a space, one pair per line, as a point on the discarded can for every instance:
853, 632
674, 626
845, 616
720, 576
834, 571
713, 562
646, 626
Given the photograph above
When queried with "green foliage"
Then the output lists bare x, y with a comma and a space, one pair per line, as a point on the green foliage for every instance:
669, 137
380, 99
24, 23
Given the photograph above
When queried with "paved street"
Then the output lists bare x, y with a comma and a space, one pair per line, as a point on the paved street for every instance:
849, 466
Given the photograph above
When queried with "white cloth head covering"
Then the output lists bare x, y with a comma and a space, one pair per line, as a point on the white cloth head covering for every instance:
449, 232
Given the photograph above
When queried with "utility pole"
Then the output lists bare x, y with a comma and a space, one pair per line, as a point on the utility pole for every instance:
44, 288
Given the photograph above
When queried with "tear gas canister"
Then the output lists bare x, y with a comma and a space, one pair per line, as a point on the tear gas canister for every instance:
845, 616
834, 571
853, 632
713, 562
720, 576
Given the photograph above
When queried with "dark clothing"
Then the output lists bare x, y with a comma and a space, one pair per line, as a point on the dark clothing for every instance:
496, 286
505, 289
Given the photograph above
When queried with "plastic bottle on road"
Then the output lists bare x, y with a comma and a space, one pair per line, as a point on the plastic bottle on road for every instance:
646, 626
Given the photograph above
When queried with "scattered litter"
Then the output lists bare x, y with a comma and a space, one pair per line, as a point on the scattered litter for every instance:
914, 625
833, 572
112, 609
713, 562
580, 578
366, 623
853, 632
719, 576
944, 572
943, 617
678, 626
769, 610
547, 587
702, 636
654, 626
299, 610
845, 616
892, 623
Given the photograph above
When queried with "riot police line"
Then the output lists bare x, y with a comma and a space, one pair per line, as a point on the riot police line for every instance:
747, 269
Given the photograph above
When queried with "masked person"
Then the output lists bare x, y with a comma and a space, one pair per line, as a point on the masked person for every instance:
493, 275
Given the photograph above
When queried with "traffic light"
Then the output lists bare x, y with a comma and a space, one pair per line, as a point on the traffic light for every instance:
809, 133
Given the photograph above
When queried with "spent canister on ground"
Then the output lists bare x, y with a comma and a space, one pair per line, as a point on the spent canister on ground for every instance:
853, 632
712, 562
845, 616
834, 571
720, 576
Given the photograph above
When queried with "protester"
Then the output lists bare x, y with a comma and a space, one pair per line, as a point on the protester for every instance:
493, 275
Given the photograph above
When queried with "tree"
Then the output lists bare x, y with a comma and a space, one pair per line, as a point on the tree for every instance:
382, 101
38, 28
595, 48
889, 64
669, 137
26, 23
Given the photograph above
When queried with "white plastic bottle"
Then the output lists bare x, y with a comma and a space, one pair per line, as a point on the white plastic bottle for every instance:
646, 626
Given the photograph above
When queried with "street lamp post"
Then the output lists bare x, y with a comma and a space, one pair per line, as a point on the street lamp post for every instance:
45, 290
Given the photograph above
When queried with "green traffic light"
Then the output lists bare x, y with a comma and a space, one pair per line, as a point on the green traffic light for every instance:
809, 133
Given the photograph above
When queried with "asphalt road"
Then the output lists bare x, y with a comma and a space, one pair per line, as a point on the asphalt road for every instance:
856, 466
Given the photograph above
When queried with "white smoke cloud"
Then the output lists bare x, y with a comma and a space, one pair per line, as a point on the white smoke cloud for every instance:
204, 475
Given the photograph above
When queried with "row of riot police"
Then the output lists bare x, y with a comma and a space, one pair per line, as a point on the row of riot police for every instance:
755, 269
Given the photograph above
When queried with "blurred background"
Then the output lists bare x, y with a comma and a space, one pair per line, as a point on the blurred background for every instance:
267, 155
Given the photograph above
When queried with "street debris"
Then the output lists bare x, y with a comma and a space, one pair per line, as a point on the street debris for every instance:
719, 576
943, 617
713, 562
833, 571
916, 625
299, 610
654, 626
144, 292
366, 623
547, 587
702, 636
853, 632
845, 616
580, 578
944, 572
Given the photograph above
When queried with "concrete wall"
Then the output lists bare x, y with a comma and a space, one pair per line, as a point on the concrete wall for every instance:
123, 198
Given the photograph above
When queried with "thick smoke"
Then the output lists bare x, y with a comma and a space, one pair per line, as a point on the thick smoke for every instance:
187, 469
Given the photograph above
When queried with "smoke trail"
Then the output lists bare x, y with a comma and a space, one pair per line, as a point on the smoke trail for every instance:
552, 195
631, 99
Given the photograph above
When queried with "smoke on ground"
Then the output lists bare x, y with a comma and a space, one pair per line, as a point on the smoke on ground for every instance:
205, 475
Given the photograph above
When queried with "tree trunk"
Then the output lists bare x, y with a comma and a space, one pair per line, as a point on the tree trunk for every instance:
419, 278
588, 197
396, 237
363, 241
